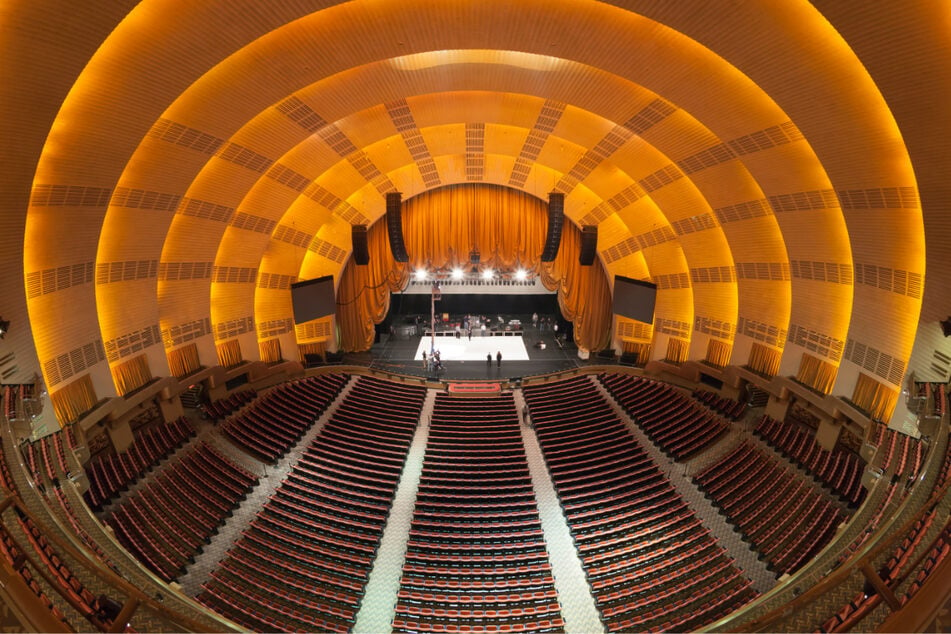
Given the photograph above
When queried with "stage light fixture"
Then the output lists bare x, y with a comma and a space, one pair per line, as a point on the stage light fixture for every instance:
420, 274
521, 274
487, 274
457, 273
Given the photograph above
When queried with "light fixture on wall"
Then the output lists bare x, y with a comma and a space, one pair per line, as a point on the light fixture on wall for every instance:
4, 326
945, 327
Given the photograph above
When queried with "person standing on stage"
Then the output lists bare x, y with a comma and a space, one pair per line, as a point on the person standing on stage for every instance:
534, 320
425, 361
498, 358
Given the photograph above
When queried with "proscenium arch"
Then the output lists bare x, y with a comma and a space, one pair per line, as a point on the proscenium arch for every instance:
77, 157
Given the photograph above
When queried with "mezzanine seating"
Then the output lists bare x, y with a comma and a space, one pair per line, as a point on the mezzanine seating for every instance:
679, 425
476, 555
112, 474
303, 562
224, 407
840, 470
277, 420
650, 562
785, 519
167, 521
730, 408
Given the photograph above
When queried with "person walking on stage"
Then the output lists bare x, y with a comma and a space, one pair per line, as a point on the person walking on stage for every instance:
498, 358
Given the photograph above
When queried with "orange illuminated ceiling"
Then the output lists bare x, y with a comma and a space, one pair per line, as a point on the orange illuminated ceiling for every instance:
740, 156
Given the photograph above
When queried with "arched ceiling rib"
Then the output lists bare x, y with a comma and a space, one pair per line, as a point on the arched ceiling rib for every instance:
272, 133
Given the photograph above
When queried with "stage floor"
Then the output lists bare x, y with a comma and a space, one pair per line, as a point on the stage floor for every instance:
475, 349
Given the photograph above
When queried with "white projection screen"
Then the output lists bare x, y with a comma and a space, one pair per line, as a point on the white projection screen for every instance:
634, 299
313, 299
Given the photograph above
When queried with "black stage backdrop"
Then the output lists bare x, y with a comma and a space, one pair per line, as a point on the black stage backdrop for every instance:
473, 304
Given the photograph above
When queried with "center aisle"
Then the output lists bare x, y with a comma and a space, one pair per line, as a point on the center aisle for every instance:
574, 594
379, 602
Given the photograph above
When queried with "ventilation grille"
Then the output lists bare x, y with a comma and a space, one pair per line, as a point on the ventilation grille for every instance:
133, 342
894, 280
671, 280
620, 250
660, 178
275, 327
714, 327
288, 177
276, 281
362, 163
475, 151
882, 198
171, 271
314, 329
328, 250
804, 201
233, 328
708, 274
234, 274
767, 333
245, 157
774, 271
941, 363
183, 333
301, 114
63, 277
656, 236
249, 222
68, 364
652, 114
329, 200
69, 196
821, 271
627, 196
291, 236
828, 347
634, 330
875, 361
183, 136
592, 158
110, 272
205, 209
748, 144
547, 120
693, 224
337, 140
674, 328
144, 199
743, 211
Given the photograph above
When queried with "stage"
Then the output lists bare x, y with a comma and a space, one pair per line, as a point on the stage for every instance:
528, 352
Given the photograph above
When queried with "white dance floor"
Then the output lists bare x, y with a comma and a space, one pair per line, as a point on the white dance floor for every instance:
463, 349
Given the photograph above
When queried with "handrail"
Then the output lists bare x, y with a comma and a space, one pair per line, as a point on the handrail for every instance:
135, 598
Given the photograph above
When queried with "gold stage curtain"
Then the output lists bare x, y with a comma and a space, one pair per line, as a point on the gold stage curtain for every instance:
816, 373
73, 400
877, 399
764, 360
442, 226
229, 353
183, 361
131, 374
718, 353
641, 349
676, 350
270, 350
312, 347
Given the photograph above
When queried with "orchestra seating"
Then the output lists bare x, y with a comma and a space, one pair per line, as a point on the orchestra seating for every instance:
678, 424
786, 520
114, 473
650, 562
729, 407
839, 469
303, 562
223, 407
277, 421
476, 556
166, 522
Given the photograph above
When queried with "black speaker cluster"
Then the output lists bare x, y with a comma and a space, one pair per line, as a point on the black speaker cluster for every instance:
361, 252
589, 245
394, 226
556, 218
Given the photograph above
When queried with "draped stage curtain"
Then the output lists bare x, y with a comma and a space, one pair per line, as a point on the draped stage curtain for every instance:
718, 353
229, 353
877, 399
131, 374
74, 399
184, 360
441, 227
764, 360
676, 350
270, 350
816, 373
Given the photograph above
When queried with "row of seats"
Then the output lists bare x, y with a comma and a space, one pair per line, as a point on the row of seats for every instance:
901, 454
112, 474
840, 470
731, 408
167, 521
650, 562
47, 456
476, 556
938, 553
303, 562
224, 407
786, 520
678, 424
277, 420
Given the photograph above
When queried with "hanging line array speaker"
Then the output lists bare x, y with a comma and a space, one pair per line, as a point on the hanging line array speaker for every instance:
556, 218
361, 252
394, 226
589, 245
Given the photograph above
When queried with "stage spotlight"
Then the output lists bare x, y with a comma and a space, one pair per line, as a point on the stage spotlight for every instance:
420, 275
457, 273
521, 275
488, 274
